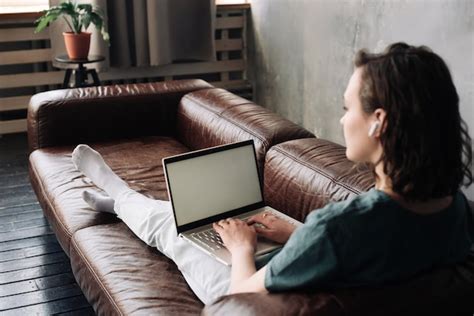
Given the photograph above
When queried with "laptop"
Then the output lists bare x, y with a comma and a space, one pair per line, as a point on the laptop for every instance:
211, 184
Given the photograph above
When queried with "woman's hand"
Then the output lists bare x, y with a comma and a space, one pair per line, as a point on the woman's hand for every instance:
273, 228
237, 235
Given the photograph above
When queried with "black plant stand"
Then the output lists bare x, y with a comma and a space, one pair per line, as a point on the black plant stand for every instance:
81, 73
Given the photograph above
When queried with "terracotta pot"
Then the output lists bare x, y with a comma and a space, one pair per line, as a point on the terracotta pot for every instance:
77, 45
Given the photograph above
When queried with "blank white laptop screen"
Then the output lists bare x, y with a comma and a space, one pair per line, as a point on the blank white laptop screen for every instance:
213, 184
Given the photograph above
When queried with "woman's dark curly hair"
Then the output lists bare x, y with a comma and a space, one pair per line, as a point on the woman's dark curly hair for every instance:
426, 145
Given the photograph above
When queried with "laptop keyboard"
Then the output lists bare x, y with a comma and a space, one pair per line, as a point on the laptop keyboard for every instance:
209, 238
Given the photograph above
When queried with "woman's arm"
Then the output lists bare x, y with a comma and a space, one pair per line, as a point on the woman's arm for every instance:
244, 277
241, 240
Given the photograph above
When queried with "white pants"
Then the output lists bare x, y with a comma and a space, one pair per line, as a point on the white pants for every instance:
152, 221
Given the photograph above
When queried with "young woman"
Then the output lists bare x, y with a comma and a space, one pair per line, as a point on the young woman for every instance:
401, 117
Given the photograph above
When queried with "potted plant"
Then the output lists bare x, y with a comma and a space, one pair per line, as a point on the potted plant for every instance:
78, 17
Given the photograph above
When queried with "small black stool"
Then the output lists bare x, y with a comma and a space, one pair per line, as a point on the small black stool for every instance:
80, 73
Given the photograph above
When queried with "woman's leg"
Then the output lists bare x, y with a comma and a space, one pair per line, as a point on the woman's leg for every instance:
152, 221
99, 202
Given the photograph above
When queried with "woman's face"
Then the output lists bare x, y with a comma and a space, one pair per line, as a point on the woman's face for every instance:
360, 147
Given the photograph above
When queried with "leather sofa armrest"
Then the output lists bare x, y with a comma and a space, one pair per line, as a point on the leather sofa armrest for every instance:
72, 116
274, 304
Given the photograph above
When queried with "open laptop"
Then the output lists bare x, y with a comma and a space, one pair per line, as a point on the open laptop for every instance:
216, 183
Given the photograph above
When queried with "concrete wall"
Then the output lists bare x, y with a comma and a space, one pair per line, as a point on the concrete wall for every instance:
301, 51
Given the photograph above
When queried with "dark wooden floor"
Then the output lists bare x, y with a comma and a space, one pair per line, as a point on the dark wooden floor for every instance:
35, 274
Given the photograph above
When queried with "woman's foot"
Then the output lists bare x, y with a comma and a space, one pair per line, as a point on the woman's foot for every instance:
99, 202
91, 164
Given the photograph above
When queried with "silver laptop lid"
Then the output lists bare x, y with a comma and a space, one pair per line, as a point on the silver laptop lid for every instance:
211, 184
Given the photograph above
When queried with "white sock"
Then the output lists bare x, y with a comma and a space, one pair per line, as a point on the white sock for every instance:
91, 164
99, 202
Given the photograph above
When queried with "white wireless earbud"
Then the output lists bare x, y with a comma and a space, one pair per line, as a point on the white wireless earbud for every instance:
373, 128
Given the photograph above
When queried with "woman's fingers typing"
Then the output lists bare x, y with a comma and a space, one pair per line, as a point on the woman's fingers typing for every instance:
262, 218
263, 231
264, 224
236, 234
272, 227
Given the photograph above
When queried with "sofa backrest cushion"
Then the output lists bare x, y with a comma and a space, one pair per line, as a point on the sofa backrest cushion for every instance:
214, 117
92, 114
305, 174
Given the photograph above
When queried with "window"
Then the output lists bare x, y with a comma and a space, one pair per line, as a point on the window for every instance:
24, 6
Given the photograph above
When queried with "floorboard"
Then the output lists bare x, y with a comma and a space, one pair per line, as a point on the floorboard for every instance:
30, 252
18, 209
32, 262
36, 284
6, 227
32, 223
50, 308
27, 242
9, 169
81, 312
21, 216
26, 233
35, 273
14, 180
38, 297
20, 194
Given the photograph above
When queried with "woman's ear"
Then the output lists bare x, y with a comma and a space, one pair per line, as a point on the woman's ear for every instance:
380, 116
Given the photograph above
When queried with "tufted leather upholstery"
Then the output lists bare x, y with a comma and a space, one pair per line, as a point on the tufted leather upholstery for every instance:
212, 117
306, 174
72, 116
134, 127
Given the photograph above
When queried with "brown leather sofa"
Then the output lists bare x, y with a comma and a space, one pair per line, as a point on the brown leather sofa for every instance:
133, 127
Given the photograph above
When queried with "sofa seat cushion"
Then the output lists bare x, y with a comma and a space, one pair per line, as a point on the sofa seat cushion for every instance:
121, 275
305, 174
59, 186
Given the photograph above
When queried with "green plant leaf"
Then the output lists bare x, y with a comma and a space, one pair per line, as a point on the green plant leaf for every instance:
96, 20
42, 24
44, 21
99, 12
85, 7
68, 7
105, 36
77, 17
86, 21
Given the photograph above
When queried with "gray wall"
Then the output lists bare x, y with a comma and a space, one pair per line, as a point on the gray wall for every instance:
301, 51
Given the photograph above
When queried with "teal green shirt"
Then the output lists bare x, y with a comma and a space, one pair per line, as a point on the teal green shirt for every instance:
368, 240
